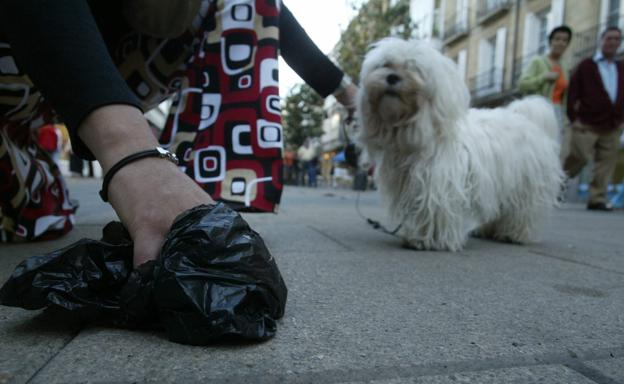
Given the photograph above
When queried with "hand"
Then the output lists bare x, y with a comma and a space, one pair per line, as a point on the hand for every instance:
348, 98
147, 194
551, 76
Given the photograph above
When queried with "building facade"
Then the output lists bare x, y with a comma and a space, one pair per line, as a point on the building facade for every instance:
493, 40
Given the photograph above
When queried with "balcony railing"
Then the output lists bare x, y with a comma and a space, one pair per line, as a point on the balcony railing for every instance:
520, 64
487, 9
584, 44
487, 83
456, 26
428, 26
486, 86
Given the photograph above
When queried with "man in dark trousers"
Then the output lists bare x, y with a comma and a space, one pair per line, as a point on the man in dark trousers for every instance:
596, 111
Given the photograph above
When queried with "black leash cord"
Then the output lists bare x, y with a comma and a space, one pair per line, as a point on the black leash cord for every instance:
374, 223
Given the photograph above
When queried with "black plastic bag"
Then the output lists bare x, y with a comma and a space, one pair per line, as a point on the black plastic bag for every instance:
84, 278
214, 278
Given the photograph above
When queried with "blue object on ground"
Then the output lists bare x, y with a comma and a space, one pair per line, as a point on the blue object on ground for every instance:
617, 198
340, 157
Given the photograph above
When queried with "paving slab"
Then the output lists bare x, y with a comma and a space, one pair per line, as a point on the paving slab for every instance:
611, 369
552, 374
363, 309
31, 338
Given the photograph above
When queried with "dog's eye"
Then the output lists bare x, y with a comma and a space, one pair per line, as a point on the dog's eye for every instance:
382, 65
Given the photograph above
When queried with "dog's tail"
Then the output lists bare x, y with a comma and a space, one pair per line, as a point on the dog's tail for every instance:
539, 111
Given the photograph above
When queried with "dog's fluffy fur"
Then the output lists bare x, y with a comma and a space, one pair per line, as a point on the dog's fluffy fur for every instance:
447, 170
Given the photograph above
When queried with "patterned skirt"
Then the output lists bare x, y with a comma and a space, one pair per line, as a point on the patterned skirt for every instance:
224, 124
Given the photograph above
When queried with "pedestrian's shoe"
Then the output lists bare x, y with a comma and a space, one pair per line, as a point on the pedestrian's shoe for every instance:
563, 191
599, 207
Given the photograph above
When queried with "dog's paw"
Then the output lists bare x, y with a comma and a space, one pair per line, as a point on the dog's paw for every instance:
487, 231
413, 244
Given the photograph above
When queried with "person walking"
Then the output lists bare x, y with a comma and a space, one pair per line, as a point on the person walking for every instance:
307, 155
289, 165
596, 109
546, 75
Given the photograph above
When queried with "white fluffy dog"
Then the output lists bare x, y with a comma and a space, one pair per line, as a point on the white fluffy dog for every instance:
446, 170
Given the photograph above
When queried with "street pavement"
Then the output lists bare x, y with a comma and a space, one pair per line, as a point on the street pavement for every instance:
361, 309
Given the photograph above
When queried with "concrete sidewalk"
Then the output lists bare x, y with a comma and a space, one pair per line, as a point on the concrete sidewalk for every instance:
363, 310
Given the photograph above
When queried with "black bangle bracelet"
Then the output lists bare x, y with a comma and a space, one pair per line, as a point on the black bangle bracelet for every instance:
157, 152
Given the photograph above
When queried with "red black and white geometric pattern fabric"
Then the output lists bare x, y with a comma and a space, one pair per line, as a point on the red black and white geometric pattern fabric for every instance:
225, 122
34, 201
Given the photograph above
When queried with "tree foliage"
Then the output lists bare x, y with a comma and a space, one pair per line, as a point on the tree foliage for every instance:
375, 20
302, 109
302, 115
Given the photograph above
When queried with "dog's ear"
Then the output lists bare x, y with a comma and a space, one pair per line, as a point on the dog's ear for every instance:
387, 40
372, 46
451, 98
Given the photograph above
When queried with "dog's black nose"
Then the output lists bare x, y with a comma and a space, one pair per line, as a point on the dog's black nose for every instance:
393, 79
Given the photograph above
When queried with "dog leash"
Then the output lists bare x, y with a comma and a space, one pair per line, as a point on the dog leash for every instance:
350, 149
374, 223
351, 145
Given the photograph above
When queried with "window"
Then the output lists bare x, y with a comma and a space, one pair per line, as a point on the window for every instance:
613, 14
487, 56
491, 64
542, 31
493, 5
536, 29
491, 43
461, 14
461, 63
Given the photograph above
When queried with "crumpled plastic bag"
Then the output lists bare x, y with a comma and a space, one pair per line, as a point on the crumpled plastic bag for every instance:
214, 278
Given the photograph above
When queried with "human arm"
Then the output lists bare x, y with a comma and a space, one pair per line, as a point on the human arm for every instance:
534, 76
58, 44
574, 93
307, 60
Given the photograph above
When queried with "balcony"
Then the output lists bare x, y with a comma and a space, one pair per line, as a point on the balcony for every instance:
487, 83
584, 44
456, 26
520, 64
428, 27
491, 88
488, 10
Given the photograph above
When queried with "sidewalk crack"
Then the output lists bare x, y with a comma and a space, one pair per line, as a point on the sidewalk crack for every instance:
66, 342
544, 254
591, 373
330, 237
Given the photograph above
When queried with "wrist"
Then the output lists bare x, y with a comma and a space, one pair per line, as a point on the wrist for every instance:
344, 84
158, 152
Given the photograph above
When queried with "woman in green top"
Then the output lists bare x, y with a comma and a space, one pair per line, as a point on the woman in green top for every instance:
547, 76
